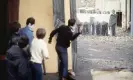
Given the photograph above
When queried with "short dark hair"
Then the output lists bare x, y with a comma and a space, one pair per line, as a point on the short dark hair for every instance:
71, 22
30, 20
40, 33
23, 41
15, 26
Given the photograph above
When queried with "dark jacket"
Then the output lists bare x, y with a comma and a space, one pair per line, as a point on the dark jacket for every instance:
18, 64
64, 37
14, 40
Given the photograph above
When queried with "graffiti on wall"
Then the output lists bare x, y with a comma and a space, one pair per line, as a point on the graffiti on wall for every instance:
58, 22
58, 10
87, 3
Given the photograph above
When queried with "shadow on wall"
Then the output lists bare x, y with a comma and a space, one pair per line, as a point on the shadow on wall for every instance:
51, 76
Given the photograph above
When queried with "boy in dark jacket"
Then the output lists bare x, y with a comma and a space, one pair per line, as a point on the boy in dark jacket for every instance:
65, 36
18, 61
14, 35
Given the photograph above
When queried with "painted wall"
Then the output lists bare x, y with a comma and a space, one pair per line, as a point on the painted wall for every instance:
117, 5
42, 11
109, 5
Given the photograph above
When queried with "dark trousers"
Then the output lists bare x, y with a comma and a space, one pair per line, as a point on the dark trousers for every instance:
113, 31
98, 28
105, 29
37, 73
63, 61
93, 29
12, 72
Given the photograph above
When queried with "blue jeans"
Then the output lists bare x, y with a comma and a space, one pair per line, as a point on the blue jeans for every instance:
37, 73
113, 30
63, 61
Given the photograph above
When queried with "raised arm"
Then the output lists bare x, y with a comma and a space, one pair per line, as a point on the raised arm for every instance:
79, 32
75, 36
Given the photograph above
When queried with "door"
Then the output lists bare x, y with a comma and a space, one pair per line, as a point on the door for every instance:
13, 10
9, 13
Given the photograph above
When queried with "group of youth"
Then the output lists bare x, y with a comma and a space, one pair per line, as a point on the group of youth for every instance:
25, 53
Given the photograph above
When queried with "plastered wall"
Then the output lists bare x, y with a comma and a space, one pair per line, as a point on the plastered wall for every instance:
42, 11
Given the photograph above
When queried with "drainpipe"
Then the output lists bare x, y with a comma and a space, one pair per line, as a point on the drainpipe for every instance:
128, 13
125, 14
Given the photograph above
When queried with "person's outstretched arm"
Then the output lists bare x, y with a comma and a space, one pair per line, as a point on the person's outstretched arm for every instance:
77, 34
52, 34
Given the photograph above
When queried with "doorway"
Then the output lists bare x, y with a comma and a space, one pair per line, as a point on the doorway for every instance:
9, 14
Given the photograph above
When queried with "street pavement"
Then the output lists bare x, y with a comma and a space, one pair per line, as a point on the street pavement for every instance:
103, 53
